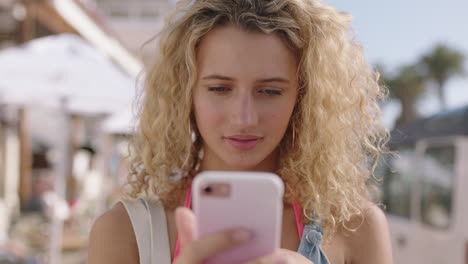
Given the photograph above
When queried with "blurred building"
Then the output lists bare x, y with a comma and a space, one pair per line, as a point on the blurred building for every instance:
21, 21
24, 20
136, 22
24, 164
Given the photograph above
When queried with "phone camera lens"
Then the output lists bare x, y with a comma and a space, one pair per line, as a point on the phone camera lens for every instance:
208, 189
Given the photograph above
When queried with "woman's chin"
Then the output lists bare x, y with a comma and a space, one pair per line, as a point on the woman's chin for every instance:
244, 165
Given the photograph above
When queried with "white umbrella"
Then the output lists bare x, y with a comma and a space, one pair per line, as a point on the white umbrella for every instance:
47, 69
121, 122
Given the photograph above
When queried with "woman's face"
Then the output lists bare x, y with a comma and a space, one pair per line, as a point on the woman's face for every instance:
243, 98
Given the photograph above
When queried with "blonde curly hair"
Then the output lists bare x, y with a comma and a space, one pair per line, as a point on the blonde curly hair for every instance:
335, 135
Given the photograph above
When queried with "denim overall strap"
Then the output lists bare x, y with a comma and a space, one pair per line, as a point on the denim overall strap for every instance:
311, 244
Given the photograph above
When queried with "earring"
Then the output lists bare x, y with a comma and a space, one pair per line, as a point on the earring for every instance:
191, 132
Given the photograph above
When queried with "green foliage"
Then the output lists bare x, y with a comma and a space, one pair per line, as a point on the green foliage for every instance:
408, 83
441, 64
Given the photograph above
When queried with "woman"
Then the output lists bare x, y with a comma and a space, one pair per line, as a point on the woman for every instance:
259, 85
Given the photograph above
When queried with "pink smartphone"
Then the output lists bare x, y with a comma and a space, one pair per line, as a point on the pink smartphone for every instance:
252, 200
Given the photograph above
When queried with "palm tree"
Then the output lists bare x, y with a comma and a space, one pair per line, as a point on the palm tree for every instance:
407, 86
440, 65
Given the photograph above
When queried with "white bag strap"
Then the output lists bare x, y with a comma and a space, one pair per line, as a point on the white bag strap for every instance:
137, 213
161, 252
153, 246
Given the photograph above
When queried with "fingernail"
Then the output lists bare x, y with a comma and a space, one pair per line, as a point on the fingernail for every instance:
241, 235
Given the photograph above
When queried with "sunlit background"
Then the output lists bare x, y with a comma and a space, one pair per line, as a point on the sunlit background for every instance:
68, 78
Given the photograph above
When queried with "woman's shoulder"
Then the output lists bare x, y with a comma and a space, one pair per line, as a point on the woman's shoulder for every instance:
112, 239
370, 242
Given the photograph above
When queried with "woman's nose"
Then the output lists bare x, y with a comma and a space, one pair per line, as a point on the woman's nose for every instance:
245, 113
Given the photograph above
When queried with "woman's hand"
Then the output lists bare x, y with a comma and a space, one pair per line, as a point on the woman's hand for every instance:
197, 251
281, 256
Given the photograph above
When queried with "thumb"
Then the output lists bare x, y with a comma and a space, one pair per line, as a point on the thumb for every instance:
185, 222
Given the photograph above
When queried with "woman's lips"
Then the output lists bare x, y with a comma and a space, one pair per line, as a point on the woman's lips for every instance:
243, 142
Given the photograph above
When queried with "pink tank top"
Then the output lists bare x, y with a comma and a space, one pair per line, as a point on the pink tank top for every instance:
297, 214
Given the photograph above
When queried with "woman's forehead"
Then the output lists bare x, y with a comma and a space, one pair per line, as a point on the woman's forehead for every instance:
233, 50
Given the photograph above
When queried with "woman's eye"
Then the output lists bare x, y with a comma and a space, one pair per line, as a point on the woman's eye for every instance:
218, 89
270, 92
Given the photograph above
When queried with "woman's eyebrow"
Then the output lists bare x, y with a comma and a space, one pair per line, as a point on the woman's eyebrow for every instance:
274, 79
225, 78
217, 77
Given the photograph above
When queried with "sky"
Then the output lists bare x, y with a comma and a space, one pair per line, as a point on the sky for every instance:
398, 32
